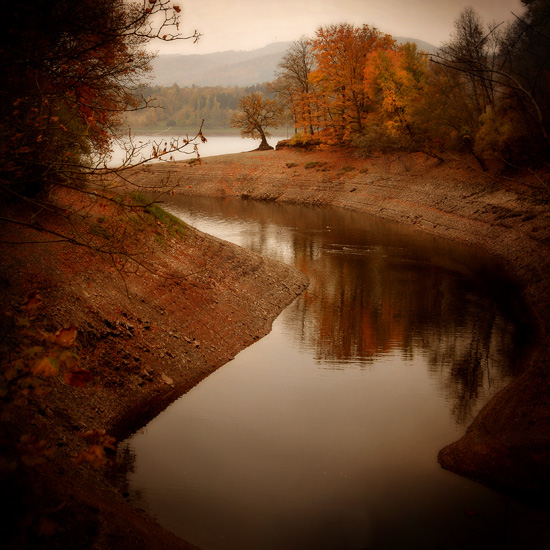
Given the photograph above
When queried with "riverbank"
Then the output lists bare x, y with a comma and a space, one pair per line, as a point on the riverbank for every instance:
146, 339
146, 333
507, 446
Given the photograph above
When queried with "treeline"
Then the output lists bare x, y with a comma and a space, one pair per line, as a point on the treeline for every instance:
487, 91
186, 107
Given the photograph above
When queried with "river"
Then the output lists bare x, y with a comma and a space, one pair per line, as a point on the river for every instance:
325, 433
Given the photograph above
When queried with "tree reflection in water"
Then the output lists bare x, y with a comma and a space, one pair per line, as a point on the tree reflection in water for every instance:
325, 433
378, 287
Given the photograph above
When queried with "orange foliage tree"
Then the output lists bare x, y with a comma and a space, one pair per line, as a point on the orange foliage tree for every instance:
394, 79
341, 52
352, 85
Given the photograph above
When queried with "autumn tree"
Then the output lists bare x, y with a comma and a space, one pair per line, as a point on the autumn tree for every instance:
394, 80
340, 52
442, 113
295, 87
70, 70
472, 50
502, 77
472, 54
255, 115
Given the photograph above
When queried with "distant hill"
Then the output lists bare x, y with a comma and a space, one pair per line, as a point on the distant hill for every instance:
231, 68
424, 46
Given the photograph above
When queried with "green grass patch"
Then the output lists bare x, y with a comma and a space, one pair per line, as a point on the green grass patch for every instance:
101, 231
171, 222
347, 169
320, 166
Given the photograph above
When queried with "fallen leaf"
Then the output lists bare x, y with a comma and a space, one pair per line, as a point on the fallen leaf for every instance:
65, 336
69, 359
33, 301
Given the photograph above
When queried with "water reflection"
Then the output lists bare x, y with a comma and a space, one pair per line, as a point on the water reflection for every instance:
324, 434
379, 288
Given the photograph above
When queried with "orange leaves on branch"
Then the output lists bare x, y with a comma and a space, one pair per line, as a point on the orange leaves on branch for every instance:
65, 337
67, 87
96, 454
45, 366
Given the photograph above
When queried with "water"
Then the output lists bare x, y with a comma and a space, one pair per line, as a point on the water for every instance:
214, 145
325, 433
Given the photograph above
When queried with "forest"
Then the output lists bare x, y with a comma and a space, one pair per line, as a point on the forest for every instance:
486, 92
185, 108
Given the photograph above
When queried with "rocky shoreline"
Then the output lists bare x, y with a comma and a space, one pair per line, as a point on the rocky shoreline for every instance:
507, 447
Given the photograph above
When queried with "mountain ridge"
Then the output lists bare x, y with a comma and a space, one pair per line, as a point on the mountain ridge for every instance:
231, 67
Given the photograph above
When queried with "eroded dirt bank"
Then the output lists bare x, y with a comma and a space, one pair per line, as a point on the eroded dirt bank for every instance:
145, 339
508, 445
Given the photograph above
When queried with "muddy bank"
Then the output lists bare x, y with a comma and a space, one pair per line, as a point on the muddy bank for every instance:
508, 445
146, 337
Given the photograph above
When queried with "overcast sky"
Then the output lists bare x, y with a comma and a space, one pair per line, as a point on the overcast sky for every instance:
249, 24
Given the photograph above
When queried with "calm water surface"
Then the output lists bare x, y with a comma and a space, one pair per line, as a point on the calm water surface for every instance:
325, 433
214, 145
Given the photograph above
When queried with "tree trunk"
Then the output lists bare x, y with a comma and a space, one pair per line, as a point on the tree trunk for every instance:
264, 146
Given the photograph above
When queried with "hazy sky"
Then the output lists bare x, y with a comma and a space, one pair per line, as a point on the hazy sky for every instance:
249, 24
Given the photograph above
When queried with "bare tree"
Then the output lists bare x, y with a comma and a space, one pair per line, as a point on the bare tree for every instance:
504, 79
293, 84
